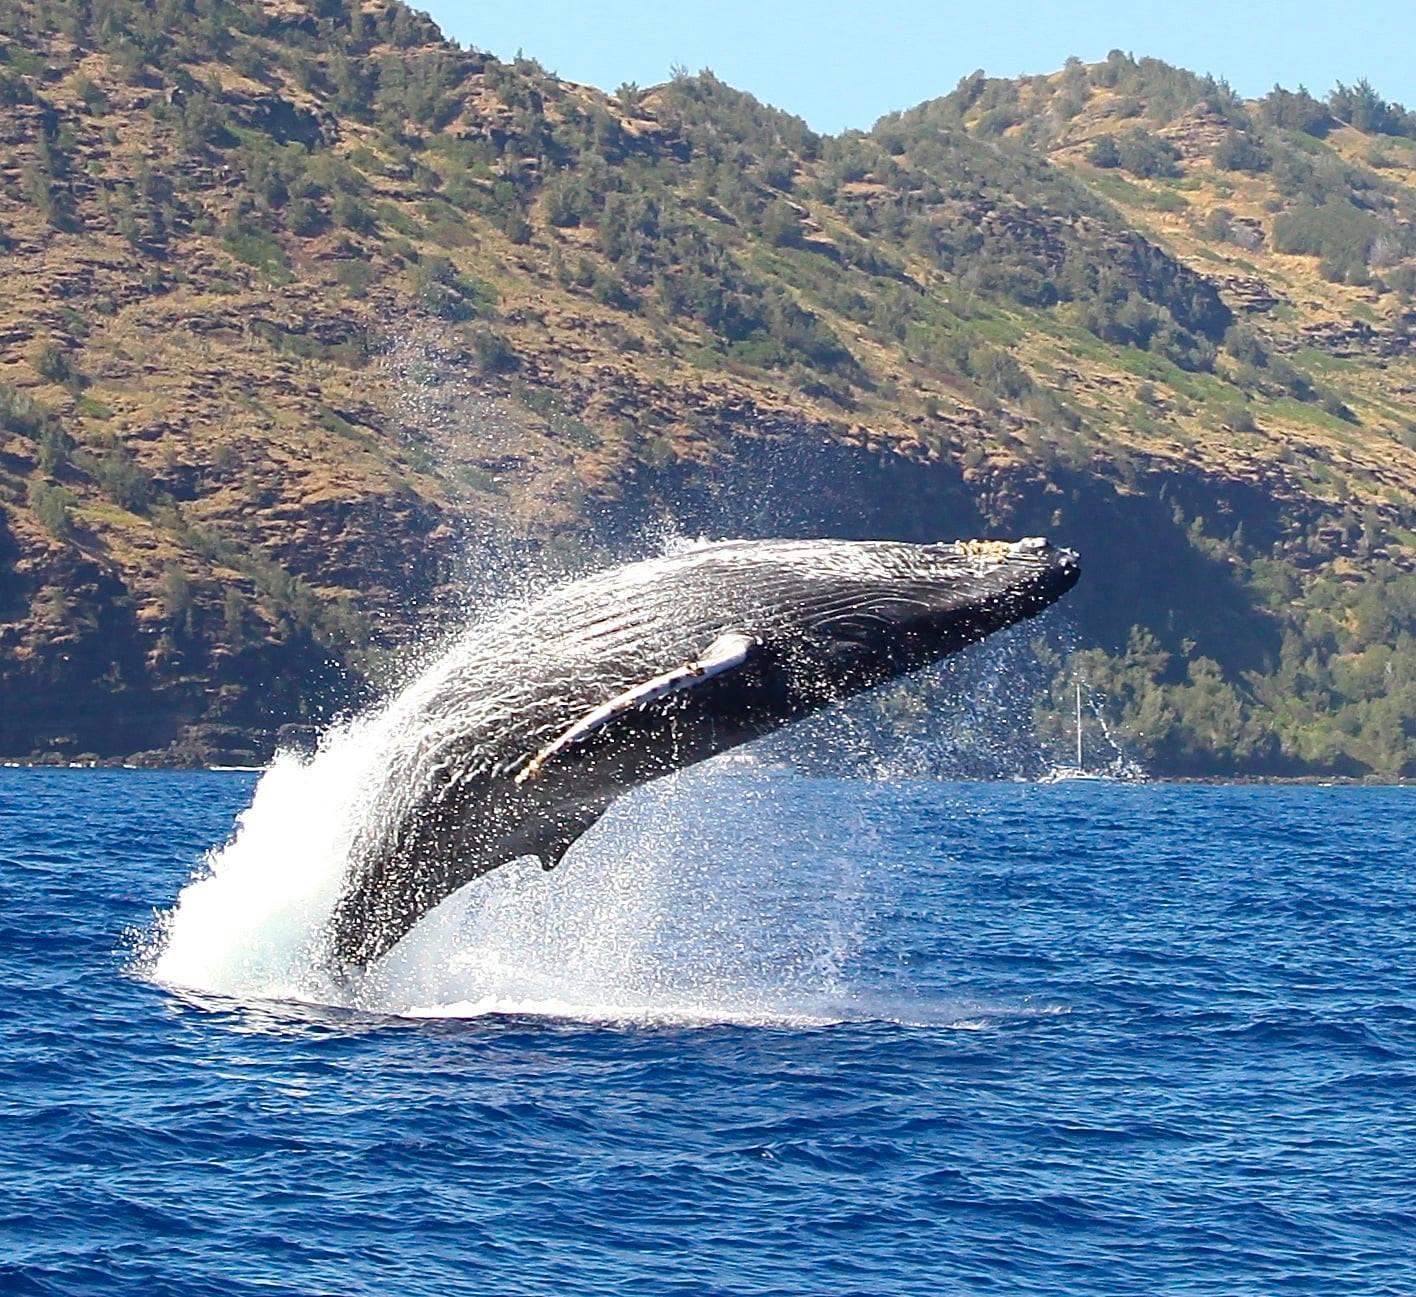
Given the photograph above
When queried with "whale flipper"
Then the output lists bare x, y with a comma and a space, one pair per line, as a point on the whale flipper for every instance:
729, 651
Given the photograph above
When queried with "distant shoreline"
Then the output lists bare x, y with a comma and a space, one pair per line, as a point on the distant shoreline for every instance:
1277, 781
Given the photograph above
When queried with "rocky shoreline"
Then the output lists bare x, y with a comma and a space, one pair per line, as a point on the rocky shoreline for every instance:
174, 762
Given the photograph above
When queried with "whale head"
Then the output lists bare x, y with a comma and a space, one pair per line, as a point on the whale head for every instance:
841, 617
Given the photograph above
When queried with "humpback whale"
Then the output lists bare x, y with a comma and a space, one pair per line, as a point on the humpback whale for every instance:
526, 735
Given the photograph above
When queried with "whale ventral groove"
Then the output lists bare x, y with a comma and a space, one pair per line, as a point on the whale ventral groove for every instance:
523, 733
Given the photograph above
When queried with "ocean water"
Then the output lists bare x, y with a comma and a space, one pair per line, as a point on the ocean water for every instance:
760, 1034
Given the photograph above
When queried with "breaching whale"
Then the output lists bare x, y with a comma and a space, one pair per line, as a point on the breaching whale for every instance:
527, 735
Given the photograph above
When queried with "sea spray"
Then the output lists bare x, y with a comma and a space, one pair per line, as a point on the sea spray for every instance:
686, 904
631, 924
684, 901
251, 923
683, 904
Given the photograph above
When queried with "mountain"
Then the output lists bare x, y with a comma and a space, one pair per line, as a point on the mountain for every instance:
307, 311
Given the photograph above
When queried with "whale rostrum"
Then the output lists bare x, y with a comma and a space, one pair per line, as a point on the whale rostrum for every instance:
524, 735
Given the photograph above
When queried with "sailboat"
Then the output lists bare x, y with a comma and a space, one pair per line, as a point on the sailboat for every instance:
1066, 774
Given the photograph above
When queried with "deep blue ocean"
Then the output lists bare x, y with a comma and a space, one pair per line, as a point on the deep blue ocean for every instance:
764, 1034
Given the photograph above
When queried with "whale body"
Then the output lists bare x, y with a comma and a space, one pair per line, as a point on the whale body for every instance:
549, 714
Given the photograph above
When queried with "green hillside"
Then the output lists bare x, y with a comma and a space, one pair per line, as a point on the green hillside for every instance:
307, 309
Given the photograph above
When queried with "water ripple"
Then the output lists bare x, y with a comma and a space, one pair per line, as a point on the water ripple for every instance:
834, 1038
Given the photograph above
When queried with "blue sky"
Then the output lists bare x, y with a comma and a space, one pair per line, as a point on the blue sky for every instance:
841, 64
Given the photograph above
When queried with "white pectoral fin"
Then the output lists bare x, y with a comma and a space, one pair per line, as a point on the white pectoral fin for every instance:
726, 653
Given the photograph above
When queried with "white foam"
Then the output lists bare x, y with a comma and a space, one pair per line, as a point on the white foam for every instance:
657, 1015
684, 906
248, 922
708, 899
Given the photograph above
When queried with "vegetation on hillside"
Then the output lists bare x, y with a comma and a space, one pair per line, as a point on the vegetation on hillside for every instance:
304, 294
1270, 196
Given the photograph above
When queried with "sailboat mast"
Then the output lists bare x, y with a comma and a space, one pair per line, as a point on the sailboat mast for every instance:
1079, 725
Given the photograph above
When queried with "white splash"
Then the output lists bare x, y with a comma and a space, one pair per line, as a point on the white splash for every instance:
705, 897
249, 922
695, 900
669, 912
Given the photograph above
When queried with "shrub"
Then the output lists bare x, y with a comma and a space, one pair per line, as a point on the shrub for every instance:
1365, 109
51, 505
51, 364
233, 617
53, 449
52, 198
781, 226
304, 217
567, 204
356, 276
1238, 418
13, 90
259, 250
492, 350
20, 412
1401, 280
120, 477
176, 594
440, 287
515, 226
1240, 151
90, 94
1219, 225
1298, 111
1338, 232
1244, 345
1337, 407
1146, 155
352, 214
